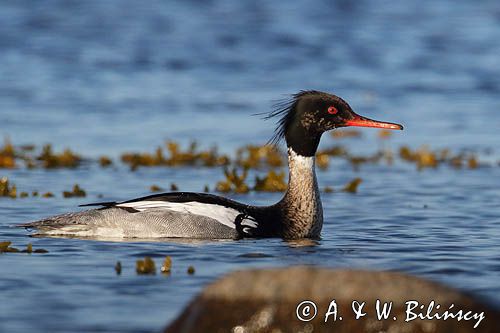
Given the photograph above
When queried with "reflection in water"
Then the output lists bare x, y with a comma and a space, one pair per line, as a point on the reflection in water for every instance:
297, 243
185, 241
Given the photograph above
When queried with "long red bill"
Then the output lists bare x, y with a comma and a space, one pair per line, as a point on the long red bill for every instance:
366, 122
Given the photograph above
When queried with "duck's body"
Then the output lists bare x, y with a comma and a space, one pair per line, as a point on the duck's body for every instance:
200, 215
195, 215
170, 215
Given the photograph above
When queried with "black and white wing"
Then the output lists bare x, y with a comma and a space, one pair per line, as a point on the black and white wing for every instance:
225, 215
177, 214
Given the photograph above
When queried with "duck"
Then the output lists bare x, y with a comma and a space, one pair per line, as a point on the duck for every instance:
301, 121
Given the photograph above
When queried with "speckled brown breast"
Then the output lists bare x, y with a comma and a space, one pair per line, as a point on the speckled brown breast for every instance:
302, 203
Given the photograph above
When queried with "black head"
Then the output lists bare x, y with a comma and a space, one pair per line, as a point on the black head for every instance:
309, 114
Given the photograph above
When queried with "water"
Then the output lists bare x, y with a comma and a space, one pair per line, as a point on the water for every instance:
107, 77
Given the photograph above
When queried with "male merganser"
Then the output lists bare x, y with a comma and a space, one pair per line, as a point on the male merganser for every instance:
299, 214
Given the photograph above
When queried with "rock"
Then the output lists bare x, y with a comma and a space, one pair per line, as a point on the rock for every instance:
266, 301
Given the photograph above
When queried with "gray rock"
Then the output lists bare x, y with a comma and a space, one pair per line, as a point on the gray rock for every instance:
266, 301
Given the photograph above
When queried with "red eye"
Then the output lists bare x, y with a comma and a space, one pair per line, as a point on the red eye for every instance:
332, 110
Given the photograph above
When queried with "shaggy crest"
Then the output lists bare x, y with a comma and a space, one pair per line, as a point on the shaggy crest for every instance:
284, 111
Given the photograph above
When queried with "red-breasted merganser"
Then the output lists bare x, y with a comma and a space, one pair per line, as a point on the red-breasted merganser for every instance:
299, 214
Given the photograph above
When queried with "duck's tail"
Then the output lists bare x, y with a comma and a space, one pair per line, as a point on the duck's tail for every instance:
79, 223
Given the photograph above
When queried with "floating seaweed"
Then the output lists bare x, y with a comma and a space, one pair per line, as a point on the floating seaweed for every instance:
29, 162
143, 159
7, 155
67, 159
190, 270
233, 182
118, 268
423, 157
23, 194
334, 151
7, 189
249, 157
155, 188
167, 265
194, 157
176, 157
174, 187
146, 266
212, 159
472, 162
252, 157
352, 186
426, 158
5, 247
48, 195
322, 160
356, 161
179, 157
406, 154
29, 248
105, 161
75, 192
328, 189
456, 162
272, 182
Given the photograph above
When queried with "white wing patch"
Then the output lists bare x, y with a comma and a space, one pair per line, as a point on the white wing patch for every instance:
248, 223
222, 214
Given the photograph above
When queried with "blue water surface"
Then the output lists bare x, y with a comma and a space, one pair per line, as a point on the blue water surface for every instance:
106, 77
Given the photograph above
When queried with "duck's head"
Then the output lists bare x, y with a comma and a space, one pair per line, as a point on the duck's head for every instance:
304, 118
